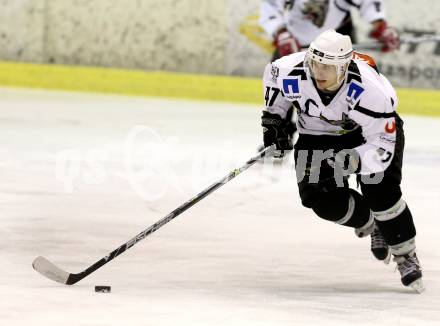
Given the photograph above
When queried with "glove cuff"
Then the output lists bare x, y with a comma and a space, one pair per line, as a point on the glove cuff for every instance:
270, 119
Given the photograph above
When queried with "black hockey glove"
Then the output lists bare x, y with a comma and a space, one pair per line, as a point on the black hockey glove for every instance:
275, 131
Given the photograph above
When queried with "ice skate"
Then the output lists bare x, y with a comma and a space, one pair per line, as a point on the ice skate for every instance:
379, 247
410, 271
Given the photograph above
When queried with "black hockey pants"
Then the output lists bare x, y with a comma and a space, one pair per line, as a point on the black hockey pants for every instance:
331, 200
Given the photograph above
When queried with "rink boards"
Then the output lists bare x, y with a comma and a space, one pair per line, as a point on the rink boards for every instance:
172, 85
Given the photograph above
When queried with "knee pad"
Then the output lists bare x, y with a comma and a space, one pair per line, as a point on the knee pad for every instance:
331, 206
345, 206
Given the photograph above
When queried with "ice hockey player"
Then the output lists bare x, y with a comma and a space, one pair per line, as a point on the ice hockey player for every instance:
347, 125
293, 24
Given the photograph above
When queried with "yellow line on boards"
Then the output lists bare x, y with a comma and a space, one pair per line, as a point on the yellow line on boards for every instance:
171, 85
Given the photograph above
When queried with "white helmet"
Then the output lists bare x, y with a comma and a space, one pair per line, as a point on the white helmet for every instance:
332, 48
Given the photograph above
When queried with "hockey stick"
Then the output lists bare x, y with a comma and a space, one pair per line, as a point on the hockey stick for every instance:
403, 40
51, 271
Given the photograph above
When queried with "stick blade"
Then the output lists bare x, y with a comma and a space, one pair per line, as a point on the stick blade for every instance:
46, 268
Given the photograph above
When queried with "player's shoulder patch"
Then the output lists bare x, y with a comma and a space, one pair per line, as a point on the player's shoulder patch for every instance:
290, 71
369, 99
290, 86
275, 73
354, 91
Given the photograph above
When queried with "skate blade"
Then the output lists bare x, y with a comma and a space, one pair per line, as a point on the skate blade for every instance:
418, 286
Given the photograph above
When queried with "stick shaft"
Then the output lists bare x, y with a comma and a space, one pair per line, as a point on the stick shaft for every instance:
74, 278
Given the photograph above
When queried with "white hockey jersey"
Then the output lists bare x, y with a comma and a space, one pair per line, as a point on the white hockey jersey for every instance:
366, 100
306, 19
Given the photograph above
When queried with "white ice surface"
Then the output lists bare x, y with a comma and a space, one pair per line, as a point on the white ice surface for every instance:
81, 174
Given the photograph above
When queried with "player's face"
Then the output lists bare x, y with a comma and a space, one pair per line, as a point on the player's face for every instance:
325, 75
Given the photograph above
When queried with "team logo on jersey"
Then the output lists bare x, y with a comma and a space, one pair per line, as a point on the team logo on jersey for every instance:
345, 123
275, 72
316, 11
291, 88
354, 92
390, 127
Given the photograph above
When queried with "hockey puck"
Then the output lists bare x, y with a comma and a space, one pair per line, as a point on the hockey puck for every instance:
103, 288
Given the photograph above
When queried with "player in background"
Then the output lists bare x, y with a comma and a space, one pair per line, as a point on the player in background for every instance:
293, 24
348, 125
